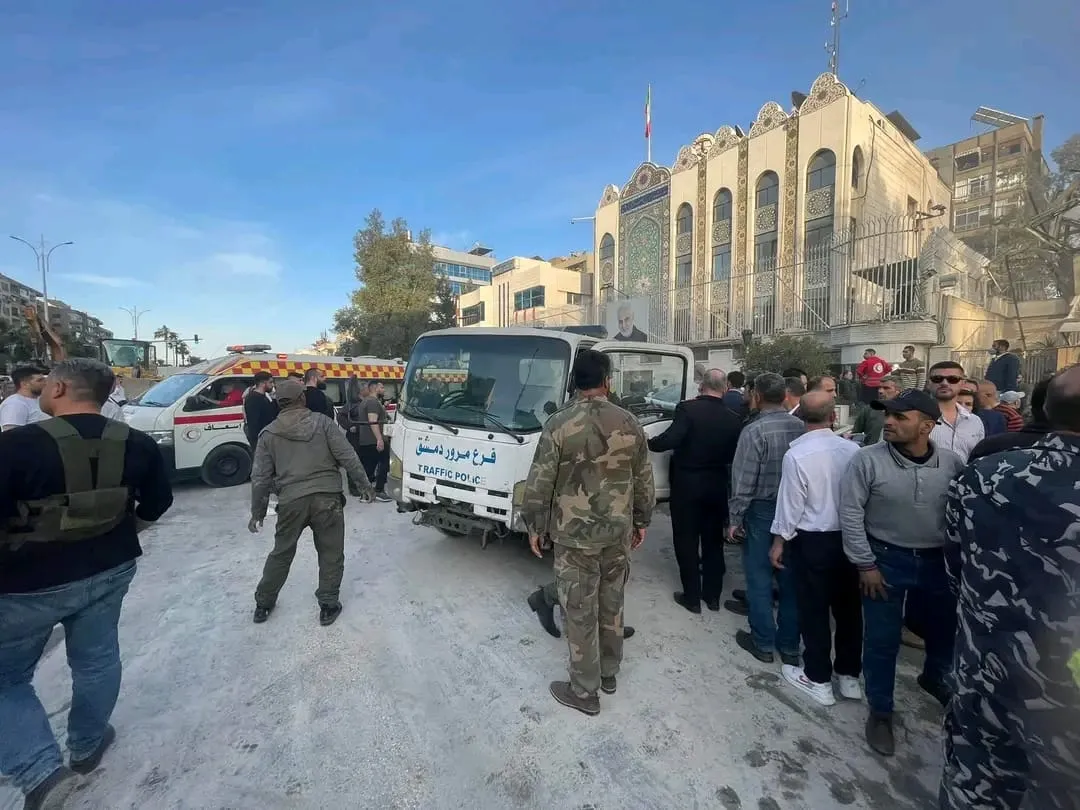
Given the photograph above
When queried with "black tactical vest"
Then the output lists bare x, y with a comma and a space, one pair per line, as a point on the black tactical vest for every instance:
87, 508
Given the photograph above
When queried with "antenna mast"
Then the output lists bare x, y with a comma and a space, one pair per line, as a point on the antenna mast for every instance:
833, 48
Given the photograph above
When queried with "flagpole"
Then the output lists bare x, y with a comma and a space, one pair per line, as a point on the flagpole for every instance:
648, 125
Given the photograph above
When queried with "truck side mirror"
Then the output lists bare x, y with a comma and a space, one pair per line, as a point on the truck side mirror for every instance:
191, 404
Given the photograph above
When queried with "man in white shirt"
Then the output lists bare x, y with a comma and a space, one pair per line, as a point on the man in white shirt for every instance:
958, 429
118, 395
112, 408
806, 535
22, 408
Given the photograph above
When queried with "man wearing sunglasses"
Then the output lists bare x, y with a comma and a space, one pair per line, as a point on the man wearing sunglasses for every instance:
958, 429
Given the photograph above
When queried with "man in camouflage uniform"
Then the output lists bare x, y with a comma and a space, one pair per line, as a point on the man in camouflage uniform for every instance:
590, 491
543, 602
1012, 731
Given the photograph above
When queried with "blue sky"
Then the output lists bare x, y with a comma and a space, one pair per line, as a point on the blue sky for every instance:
211, 160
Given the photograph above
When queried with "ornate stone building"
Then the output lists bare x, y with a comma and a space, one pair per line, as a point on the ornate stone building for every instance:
811, 220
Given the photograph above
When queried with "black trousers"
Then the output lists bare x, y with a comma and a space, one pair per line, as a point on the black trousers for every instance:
698, 516
826, 582
376, 464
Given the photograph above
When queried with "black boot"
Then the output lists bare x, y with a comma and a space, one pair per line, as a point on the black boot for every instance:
85, 766
328, 614
545, 612
693, 605
261, 614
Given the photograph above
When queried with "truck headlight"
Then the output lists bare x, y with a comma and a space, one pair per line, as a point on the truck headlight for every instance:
395, 465
163, 437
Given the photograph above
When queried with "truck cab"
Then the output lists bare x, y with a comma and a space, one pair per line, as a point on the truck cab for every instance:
473, 405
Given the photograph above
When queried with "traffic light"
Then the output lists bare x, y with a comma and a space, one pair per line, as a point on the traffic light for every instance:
195, 340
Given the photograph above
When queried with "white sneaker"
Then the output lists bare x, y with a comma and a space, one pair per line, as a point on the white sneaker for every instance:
850, 688
821, 692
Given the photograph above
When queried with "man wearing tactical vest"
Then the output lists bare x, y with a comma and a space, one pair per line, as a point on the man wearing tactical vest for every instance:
299, 456
74, 491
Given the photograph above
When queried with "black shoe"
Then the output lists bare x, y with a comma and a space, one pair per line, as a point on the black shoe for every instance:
608, 685
261, 614
791, 659
746, 641
738, 595
713, 604
737, 606
85, 766
54, 791
545, 612
564, 693
879, 734
628, 632
694, 606
937, 690
328, 614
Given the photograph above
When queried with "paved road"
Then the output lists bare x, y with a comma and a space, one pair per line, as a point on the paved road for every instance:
431, 690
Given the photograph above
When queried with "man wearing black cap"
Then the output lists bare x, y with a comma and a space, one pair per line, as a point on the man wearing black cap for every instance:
892, 516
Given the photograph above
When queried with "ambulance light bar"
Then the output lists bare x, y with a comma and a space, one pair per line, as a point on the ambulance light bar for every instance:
241, 348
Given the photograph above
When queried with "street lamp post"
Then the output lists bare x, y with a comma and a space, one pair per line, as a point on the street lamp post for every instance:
42, 255
135, 314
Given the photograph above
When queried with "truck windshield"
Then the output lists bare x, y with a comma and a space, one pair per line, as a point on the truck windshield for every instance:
166, 392
124, 353
518, 380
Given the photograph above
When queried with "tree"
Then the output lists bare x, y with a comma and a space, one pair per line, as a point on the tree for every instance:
182, 352
165, 335
1066, 160
400, 296
16, 346
786, 351
79, 348
444, 313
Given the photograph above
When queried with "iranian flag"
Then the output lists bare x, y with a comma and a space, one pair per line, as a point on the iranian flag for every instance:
648, 112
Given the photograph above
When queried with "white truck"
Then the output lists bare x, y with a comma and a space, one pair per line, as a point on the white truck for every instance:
474, 402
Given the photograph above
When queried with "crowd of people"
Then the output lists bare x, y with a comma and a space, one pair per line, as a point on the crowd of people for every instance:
925, 523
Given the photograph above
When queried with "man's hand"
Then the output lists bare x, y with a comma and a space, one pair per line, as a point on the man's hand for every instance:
776, 553
534, 544
637, 538
366, 495
380, 445
735, 535
255, 524
873, 584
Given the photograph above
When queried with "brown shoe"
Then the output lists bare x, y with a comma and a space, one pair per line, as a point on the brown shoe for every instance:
909, 639
564, 693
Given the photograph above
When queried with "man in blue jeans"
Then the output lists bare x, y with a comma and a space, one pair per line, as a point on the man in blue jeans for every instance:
74, 491
755, 482
892, 516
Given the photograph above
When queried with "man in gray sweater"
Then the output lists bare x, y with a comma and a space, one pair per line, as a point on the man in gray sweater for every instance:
892, 516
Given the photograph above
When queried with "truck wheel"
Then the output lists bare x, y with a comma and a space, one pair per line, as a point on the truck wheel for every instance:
227, 466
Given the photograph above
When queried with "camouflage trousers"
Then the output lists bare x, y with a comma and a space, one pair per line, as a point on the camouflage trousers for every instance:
592, 586
996, 759
551, 590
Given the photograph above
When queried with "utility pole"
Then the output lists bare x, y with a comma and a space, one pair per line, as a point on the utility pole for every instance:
135, 314
833, 48
42, 255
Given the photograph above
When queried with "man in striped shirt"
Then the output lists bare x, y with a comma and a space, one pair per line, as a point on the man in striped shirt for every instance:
989, 400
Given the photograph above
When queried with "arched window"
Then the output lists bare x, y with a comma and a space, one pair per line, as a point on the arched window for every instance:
684, 220
856, 167
721, 208
822, 171
607, 248
766, 244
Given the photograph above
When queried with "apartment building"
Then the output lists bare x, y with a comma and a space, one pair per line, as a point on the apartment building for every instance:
554, 292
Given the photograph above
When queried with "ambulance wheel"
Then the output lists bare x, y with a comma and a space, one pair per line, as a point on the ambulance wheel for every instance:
227, 466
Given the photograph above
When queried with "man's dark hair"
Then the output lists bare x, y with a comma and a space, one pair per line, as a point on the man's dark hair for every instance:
794, 386
938, 366
591, 368
87, 380
1063, 400
794, 371
311, 375
1002, 342
24, 373
870, 349
1038, 401
296, 375
736, 379
371, 384
771, 388
262, 377
815, 383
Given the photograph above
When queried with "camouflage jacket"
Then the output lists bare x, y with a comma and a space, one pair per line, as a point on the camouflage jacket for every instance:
1014, 522
590, 482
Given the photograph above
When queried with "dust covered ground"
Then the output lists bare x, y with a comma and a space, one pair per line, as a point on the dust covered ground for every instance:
431, 690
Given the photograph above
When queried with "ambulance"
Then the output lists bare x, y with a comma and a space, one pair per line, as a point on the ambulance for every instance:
197, 420
475, 400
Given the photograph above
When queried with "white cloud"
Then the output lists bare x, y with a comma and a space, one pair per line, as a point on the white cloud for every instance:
243, 264
455, 240
102, 281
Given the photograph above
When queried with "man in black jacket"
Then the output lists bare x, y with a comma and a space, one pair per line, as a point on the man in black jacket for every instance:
74, 492
703, 437
314, 382
259, 409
